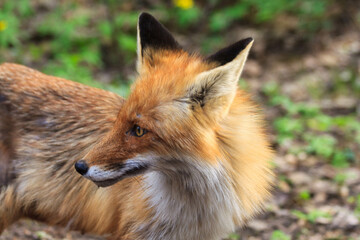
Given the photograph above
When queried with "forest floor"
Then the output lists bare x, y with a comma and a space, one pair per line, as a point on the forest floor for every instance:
317, 191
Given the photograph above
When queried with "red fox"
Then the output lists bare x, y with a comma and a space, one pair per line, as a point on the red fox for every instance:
184, 157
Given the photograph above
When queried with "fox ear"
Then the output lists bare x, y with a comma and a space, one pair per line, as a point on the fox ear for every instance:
152, 36
228, 54
214, 90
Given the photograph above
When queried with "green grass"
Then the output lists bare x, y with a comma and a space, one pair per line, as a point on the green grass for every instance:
311, 216
312, 129
279, 235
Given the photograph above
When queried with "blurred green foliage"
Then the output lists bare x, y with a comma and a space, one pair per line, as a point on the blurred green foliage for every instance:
76, 39
311, 14
355, 201
311, 216
234, 236
279, 235
304, 195
10, 30
357, 207
311, 127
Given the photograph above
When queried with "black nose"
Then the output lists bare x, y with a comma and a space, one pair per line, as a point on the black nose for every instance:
81, 167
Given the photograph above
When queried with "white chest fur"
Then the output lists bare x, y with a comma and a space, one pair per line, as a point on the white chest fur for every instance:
193, 202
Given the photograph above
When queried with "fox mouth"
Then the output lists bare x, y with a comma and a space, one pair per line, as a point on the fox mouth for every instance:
106, 183
106, 179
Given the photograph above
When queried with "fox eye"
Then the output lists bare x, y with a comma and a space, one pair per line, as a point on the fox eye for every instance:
138, 131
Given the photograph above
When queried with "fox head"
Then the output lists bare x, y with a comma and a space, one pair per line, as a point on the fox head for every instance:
174, 110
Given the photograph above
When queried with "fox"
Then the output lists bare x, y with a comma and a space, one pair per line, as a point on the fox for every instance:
185, 156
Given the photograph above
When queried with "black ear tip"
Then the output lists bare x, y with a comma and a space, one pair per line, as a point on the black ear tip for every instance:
154, 34
242, 44
227, 54
148, 22
145, 17
246, 41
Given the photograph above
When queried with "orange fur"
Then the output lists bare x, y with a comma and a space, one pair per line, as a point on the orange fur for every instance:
204, 157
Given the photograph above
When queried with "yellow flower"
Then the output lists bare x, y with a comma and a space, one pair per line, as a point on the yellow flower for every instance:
184, 4
3, 25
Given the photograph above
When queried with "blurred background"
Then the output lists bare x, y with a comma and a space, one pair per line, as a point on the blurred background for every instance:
304, 70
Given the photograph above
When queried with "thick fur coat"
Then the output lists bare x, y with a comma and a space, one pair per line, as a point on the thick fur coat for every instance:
184, 157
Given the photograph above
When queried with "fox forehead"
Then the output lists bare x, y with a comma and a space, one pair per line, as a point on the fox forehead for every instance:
165, 82
154, 95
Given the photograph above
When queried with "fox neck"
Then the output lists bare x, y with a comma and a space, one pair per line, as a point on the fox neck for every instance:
196, 202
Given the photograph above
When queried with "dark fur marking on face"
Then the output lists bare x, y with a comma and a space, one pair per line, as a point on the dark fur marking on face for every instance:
113, 166
135, 170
